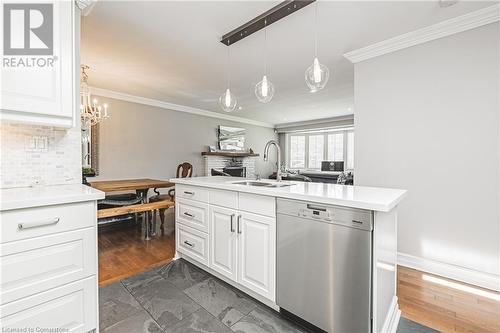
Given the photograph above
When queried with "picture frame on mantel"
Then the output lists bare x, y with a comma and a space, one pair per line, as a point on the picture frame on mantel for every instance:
231, 138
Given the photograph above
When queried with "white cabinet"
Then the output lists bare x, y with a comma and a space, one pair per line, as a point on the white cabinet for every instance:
239, 231
48, 267
223, 239
192, 213
193, 243
45, 94
69, 308
243, 248
257, 253
29, 267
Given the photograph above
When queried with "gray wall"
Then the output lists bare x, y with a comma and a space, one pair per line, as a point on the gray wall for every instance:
141, 141
427, 120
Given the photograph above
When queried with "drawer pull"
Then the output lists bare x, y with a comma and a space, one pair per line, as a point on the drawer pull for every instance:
188, 244
27, 225
239, 224
232, 222
188, 214
358, 222
189, 192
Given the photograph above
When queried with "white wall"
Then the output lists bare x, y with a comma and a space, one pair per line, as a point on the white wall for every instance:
141, 141
427, 120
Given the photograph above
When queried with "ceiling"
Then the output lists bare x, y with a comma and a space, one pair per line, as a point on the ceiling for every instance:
170, 51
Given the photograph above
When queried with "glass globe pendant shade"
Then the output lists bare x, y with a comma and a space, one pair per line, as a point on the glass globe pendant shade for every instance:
264, 90
316, 76
227, 101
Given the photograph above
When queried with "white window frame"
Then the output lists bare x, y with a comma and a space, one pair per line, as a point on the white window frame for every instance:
325, 133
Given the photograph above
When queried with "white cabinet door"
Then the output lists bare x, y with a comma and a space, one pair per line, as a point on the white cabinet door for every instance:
223, 254
71, 308
42, 93
257, 253
34, 265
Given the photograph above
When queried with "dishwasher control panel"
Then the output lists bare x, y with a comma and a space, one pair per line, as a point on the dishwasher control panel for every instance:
320, 214
350, 217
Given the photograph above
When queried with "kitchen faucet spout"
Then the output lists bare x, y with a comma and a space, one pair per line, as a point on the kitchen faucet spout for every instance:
278, 151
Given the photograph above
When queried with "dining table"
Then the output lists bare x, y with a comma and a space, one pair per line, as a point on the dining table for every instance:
141, 186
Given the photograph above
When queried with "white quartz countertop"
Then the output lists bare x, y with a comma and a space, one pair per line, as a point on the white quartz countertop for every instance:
25, 197
370, 198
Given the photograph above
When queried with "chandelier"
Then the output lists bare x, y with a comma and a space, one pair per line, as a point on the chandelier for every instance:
90, 110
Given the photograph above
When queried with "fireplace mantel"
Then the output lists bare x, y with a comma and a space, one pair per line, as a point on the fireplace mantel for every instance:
228, 154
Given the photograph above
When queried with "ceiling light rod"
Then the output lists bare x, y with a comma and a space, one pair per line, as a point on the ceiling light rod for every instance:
274, 14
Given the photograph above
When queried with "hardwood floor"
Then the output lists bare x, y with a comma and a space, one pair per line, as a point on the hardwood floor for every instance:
447, 305
123, 252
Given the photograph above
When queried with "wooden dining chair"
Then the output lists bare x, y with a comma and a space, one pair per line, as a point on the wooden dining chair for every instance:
184, 170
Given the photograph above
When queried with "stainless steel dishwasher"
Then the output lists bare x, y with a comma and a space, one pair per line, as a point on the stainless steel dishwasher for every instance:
324, 265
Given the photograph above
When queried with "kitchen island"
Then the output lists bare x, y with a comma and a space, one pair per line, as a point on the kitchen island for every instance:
325, 253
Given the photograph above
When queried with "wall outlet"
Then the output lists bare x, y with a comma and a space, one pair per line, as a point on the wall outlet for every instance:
36, 143
42, 143
30, 143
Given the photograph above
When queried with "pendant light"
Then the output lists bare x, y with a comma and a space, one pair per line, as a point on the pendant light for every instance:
317, 74
264, 90
227, 100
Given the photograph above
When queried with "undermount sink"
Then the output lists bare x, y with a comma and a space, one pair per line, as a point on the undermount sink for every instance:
262, 184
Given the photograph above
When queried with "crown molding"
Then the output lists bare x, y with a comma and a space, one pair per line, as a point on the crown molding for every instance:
344, 118
174, 107
442, 29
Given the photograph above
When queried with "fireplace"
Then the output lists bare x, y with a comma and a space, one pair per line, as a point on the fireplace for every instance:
234, 164
236, 171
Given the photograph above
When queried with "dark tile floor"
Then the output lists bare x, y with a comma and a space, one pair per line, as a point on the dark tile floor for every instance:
181, 298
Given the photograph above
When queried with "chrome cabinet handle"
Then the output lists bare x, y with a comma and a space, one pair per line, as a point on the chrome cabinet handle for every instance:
239, 224
232, 222
188, 192
27, 225
188, 244
188, 214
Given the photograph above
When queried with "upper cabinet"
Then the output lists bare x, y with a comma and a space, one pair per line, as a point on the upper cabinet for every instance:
40, 83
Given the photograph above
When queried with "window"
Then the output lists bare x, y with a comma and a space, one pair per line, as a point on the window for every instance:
297, 151
336, 147
316, 150
350, 151
308, 149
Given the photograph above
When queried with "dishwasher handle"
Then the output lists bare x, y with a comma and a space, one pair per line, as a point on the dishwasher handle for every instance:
314, 207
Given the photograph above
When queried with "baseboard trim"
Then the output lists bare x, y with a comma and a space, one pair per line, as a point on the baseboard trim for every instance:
462, 274
391, 321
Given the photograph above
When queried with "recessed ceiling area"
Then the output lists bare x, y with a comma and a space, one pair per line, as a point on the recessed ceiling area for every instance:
170, 51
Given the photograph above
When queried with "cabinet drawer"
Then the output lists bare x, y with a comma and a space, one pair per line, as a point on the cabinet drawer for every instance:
193, 243
34, 265
258, 204
224, 198
39, 221
71, 307
192, 213
191, 192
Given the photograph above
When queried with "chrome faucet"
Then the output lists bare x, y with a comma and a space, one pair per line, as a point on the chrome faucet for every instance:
278, 150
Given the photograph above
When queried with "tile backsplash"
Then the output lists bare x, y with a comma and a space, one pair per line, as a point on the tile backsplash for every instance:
39, 155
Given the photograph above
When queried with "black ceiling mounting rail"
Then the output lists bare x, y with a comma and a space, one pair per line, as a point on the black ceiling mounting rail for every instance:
274, 14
